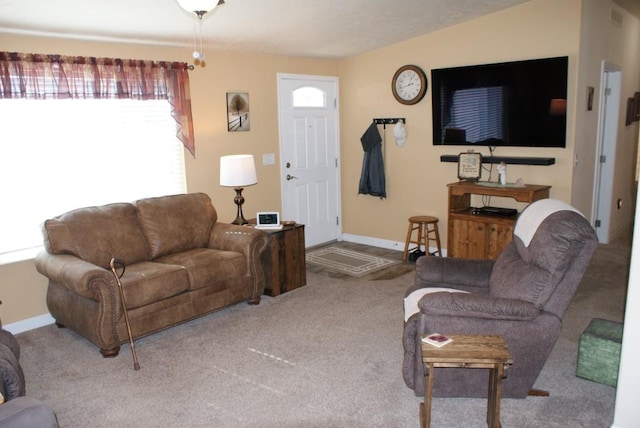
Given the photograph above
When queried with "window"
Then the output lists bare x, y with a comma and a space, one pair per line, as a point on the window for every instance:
308, 96
58, 155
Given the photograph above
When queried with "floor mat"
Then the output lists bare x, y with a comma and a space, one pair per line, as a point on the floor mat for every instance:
349, 262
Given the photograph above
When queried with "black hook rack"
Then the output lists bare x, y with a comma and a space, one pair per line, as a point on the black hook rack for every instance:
389, 121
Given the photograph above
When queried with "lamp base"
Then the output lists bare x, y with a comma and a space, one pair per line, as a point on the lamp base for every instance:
239, 200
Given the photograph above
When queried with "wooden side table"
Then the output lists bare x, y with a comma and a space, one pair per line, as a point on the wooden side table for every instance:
468, 351
288, 265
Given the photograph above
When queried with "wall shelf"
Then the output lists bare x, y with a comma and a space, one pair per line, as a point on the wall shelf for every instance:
514, 160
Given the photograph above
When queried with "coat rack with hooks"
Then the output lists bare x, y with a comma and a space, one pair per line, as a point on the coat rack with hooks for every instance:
389, 121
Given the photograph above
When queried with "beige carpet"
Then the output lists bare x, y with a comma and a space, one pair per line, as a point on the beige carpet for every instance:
328, 354
349, 262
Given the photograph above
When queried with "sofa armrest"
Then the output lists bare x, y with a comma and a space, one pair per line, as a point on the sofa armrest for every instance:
447, 272
250, 242
77, 275
478, 306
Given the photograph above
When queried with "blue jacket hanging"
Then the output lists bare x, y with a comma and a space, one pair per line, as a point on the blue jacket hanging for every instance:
372, 180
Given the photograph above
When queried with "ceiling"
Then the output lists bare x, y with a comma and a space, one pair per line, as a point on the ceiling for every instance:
313, 28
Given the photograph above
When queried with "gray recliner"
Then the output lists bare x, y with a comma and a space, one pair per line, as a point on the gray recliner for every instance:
522, 296
19, 411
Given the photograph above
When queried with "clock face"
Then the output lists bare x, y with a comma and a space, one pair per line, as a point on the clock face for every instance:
409, 84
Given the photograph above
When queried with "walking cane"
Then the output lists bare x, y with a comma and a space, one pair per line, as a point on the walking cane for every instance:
114, 261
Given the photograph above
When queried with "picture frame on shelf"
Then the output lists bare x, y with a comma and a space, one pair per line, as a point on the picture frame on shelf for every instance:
469, 166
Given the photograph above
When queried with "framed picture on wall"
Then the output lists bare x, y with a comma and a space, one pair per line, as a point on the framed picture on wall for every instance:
590, 92
238, 111
631, 111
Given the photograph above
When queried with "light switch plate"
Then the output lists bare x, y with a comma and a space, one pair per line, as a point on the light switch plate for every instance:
268, 159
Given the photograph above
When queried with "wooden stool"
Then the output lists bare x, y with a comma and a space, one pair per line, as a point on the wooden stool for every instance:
427, 227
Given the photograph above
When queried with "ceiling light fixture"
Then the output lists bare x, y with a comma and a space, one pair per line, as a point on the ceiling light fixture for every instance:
199, 8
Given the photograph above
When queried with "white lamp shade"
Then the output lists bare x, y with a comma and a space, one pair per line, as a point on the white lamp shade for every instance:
198, 5
237, 171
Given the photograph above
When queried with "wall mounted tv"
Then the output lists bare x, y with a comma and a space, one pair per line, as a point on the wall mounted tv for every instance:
517, 104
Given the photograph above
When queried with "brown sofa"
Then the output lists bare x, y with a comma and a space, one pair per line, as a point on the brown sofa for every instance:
181, 263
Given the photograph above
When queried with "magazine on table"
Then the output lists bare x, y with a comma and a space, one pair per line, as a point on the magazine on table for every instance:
437, 339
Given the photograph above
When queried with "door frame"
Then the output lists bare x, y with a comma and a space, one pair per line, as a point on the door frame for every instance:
309, 79
608, 118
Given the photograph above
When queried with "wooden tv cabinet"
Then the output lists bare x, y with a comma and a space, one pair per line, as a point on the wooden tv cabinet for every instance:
481, 236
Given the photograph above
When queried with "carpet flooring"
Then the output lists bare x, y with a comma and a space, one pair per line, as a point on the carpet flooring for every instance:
328, 354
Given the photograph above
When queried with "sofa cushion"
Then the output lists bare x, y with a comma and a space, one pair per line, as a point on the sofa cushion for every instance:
148, 282
513, 278
176, 223
206, 267
97, 234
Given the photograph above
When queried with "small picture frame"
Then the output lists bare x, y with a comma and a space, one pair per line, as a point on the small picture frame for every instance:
590, 93
631, 111
238, 112
469, 166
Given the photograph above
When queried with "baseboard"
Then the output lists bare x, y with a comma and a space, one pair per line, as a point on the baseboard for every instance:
29, 324
381, 243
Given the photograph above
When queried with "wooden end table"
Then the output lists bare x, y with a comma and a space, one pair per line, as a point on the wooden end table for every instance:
467, 351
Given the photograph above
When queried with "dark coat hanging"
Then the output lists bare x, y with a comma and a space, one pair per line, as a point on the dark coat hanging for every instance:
372, 180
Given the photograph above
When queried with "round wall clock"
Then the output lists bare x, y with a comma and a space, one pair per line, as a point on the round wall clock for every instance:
409, 84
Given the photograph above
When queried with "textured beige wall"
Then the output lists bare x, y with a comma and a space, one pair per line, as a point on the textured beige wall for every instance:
416, 179
23, 290
618, 46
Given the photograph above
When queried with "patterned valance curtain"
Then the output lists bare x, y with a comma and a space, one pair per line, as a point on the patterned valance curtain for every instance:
36, 76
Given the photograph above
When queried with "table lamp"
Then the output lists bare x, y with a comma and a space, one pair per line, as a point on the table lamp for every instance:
238, 171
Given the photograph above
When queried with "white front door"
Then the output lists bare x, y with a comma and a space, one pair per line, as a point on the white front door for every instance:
309, 147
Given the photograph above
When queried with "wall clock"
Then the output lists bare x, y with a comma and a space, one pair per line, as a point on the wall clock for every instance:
409, 84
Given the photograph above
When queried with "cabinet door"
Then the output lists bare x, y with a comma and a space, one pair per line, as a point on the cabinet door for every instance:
498, 236
468, 239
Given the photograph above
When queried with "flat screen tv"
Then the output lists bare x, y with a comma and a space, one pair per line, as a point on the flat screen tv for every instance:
521, 104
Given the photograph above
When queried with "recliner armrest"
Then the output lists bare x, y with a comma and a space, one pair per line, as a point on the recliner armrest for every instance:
478, 306
453, 272
27, 412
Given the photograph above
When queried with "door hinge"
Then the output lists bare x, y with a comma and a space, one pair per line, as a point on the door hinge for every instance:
603, 158
335, 103
337, 221
597, 223
336, 162
607, 91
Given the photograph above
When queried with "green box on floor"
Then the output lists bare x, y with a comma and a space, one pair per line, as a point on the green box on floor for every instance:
599, 352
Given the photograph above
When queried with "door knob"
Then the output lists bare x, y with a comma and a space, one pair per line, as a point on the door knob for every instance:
291, 177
